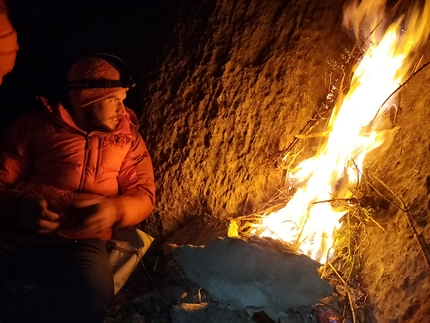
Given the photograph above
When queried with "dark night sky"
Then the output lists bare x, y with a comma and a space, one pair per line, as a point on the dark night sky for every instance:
52, 34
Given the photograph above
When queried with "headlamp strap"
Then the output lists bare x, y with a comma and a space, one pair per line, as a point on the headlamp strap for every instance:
91, 84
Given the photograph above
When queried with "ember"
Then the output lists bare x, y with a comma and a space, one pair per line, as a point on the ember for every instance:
305, 222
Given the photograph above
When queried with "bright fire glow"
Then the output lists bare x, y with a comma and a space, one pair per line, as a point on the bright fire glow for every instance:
310, 226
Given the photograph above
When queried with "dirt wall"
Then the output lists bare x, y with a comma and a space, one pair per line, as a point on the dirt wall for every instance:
238, 81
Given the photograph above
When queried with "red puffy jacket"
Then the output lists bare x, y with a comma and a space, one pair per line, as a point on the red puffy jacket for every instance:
47, 156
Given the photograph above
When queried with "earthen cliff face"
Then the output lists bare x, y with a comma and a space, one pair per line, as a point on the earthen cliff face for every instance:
239, 80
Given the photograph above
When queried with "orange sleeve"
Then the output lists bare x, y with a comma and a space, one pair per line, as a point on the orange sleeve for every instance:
15, 154
3, 7
8, 36
137, 188
8, 43
15, 163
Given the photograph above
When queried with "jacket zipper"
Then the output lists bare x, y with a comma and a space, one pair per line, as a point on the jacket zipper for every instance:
85, 164
99, 156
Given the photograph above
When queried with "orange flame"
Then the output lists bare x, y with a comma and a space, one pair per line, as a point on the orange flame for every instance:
304, 222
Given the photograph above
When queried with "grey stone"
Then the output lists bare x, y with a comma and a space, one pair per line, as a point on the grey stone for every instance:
246, 274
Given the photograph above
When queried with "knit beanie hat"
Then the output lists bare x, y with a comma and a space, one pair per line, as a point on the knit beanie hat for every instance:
92, 69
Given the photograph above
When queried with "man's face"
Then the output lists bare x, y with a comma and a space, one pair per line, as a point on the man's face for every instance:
105, 114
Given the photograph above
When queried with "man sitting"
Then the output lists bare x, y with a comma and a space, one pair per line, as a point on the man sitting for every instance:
69, 175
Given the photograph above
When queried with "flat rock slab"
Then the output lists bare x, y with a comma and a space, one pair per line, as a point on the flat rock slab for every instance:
252, 274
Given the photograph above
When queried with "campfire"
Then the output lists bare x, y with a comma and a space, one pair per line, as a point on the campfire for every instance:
311, 217
321, 193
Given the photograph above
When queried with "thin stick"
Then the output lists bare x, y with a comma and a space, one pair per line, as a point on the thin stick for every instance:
359, 173
417, 236
402, 85
392, 163
335, 200
245, 204
376, 190
351, 304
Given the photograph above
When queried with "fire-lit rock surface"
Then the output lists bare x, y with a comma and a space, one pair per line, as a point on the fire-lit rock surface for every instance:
395, 274
237, 82
253, 275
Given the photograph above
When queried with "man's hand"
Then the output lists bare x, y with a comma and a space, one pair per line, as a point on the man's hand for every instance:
93, 215
34, 215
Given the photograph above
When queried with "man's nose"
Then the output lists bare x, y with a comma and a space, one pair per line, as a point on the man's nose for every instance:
120, 109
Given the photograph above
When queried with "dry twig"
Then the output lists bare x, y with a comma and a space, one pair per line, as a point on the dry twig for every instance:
351, 303
411, 224
402, 85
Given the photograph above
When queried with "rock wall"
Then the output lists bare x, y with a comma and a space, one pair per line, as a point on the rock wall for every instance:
238, 81
395, 273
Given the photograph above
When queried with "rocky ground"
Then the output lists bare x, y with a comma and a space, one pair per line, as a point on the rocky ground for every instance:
159, 292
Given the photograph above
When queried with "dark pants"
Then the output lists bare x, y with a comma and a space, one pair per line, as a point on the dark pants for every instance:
68, 281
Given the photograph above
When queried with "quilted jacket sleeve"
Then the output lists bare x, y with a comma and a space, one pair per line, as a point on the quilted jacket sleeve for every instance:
8, 43
15, 164
137, 187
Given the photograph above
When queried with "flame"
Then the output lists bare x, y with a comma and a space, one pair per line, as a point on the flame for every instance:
307, 221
